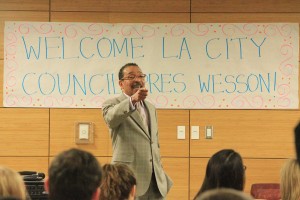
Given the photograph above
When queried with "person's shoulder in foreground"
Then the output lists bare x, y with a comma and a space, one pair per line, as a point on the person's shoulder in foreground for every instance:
224, 194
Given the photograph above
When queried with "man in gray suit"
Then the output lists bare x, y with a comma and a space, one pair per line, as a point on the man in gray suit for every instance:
132, 122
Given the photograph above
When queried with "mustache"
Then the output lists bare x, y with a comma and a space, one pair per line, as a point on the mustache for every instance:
136, 85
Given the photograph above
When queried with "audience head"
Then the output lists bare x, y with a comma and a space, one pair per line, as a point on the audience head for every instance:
118, 182
290, 180
11, 184
224, 194
74, 175
225, 169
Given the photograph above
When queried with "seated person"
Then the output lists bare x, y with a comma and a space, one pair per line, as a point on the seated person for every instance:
290, 180
11, 184
74, 175
224, 194
225, 169
290, 173
119, 182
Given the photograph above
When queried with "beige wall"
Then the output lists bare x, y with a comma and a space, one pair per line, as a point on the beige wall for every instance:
31, 137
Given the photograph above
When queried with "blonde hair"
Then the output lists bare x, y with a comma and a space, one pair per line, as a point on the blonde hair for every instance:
11, 184
290, 180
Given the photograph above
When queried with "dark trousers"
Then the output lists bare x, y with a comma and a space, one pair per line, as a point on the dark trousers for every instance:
153, 192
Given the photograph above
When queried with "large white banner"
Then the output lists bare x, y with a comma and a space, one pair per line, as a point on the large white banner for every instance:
188, 66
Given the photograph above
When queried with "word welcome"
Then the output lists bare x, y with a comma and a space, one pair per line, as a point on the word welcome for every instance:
105, 48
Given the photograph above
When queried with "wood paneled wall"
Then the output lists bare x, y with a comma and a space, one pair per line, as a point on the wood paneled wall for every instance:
30, 138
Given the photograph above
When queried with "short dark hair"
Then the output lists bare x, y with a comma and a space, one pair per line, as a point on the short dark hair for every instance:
118, 181
225, 169
121, 71
74, 175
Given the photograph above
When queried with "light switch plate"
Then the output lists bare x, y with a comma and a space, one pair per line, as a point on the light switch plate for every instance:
195, 133
84, 132
181, 132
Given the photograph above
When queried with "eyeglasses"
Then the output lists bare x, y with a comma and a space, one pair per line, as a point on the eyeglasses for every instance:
132, 77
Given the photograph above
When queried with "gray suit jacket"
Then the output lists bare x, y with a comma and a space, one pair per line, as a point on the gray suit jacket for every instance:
135, 145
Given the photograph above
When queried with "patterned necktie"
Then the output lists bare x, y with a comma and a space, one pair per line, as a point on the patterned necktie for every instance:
142, 113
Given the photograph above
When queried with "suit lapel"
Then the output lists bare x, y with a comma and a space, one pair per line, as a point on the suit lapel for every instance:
151, 116
136, 117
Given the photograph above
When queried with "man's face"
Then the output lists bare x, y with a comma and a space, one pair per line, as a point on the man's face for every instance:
133, 79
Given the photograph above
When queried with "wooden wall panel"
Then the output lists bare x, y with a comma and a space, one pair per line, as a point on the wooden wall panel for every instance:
255, 6
101, 17
38, 164
22, 5
168, 120
18, 16
262, 171
258, 171
62, 131
245, 17
197, 173
178, 170
1, 82
253, 133
135, 6
24, 132
104, 160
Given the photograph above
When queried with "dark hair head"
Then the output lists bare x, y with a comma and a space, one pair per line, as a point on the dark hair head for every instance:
225, 169
118, 181
121, 71
74, 175
297, 141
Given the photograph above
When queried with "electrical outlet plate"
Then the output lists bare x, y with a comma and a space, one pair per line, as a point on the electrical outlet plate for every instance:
209, 132
84, 133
